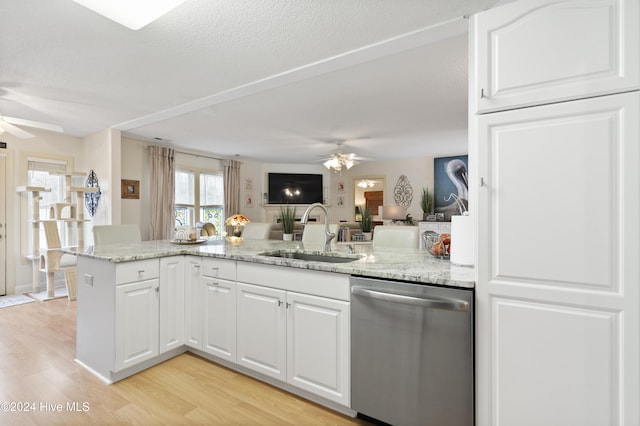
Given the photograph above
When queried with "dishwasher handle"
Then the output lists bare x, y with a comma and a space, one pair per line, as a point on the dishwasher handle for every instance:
424, 302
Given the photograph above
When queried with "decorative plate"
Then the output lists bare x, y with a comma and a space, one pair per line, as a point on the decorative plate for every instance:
188, 242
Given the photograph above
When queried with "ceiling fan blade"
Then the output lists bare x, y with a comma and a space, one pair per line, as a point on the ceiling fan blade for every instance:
15, 131
34, 124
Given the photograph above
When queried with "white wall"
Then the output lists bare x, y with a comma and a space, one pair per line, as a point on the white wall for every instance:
101, 152
135, 166
418, 170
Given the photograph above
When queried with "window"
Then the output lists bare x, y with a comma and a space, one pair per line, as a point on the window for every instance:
43, 173
199, 198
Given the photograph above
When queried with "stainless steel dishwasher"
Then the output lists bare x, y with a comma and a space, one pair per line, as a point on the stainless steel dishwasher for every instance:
412, 353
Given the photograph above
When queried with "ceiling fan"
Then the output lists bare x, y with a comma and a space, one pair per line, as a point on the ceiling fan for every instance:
10, 125
339, 160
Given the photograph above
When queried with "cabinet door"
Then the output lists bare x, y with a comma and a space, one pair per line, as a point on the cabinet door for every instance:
193, 292
172, 278
557, 291
261, 328
219, 313
136, 322
534, 52
318, 346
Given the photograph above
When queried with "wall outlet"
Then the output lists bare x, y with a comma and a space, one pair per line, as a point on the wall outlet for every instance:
88, 279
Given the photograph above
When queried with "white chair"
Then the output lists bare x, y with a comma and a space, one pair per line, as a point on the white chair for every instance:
116, 234
53, 260
396, 236
256, 231
313, 233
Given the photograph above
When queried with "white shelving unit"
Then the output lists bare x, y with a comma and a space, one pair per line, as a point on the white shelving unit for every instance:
70, 212
35, 234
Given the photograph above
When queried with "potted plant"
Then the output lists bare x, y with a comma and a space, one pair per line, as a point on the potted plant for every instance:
288, 219
426, 203
366, 220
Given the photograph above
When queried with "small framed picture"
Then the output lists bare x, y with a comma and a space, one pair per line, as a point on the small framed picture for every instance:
130, 189
340, 187
340, 201
248, 185
248, 200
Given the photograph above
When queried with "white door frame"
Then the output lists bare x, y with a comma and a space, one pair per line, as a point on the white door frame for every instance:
3, 223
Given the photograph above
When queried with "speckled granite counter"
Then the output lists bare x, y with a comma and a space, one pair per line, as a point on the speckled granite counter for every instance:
398, 264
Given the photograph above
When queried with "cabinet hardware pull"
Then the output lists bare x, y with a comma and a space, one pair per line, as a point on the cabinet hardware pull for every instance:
482, 181
196, 266
214, 283
279, 302
157, 289
288, 304
140, 271
482, 95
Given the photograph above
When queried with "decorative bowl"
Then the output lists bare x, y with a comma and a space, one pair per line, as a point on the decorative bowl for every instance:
437, 245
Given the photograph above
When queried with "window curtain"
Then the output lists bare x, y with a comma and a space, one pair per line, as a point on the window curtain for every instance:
163, 175
231, 187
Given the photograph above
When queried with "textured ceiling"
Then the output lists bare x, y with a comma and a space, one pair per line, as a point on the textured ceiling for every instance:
248, 77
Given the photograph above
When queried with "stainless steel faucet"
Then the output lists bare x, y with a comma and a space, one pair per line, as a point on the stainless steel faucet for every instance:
328, 236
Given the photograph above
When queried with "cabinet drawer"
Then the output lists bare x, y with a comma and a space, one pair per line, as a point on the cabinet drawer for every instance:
219, 268
139, 270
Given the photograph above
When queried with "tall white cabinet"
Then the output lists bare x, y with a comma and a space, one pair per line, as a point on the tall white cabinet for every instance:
555, 125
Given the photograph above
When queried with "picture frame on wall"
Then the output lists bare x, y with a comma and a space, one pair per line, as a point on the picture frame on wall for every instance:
451, 185
248, 200
130, 189
340, 187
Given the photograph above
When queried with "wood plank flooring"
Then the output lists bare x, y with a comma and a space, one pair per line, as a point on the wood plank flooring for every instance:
39, 379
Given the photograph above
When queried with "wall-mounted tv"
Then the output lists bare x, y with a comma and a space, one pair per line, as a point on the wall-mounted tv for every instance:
294, 188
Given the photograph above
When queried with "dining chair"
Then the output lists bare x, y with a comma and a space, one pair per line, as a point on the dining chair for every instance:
256, 231
116, 234
395, 236
313, 233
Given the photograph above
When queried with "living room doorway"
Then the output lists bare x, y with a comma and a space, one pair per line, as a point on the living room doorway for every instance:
369, 192
3, 224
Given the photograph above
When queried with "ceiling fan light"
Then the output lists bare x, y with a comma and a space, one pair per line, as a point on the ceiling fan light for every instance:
133, 14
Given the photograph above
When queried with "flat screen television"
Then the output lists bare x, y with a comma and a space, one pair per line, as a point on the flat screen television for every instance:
294, 188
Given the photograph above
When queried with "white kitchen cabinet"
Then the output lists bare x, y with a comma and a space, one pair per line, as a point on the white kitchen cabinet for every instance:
318, 346
261, 330
193, 294
558, 302
300, 338
219, 312
136, 322
535, 52
172, 298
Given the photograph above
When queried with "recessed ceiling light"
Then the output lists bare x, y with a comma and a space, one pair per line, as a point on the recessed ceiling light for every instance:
133, 14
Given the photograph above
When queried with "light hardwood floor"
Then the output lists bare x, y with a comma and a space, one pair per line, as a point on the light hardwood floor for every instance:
37, 372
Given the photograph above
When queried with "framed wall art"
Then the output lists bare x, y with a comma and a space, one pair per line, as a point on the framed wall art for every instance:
130, 189
451, 185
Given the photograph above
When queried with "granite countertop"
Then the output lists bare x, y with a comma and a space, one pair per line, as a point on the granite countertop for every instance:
411, 265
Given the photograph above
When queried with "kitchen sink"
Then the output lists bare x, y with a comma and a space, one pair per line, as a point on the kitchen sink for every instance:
311, 257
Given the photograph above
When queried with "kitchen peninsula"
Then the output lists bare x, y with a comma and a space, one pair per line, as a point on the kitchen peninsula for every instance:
246, 306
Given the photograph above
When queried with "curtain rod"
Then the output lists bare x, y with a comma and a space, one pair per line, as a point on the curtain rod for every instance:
199, 155
192, 154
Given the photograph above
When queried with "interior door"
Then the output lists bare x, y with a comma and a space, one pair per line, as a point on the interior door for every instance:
3, 224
